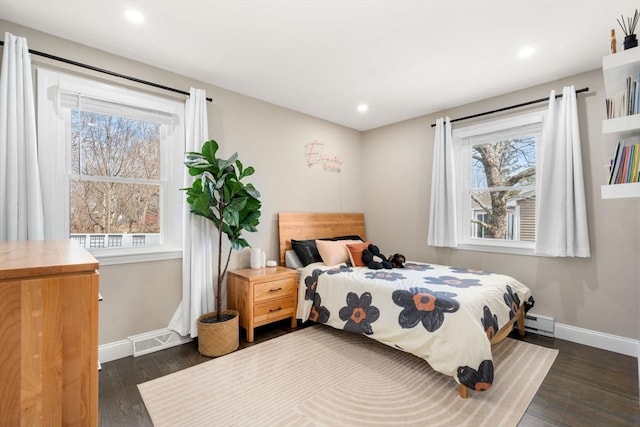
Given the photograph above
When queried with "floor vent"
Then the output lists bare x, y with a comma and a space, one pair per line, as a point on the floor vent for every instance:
538, 324
155, 341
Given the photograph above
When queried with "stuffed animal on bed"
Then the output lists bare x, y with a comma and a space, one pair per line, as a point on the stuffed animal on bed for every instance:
374, 259
397, 260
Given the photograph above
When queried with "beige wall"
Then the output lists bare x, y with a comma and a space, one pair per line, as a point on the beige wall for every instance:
138, 298
599, 293
387, 174
142, 297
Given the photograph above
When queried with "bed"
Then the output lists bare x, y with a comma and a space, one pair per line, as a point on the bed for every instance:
449, 316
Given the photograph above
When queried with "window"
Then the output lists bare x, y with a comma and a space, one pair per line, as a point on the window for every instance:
111, 167
496, 183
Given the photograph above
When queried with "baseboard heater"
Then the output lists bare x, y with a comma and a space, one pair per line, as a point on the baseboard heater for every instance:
156, 340
538, 324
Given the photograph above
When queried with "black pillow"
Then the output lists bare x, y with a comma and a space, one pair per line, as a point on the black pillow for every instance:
306, 251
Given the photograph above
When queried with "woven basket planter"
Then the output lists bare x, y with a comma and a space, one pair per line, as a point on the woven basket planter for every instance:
220, 338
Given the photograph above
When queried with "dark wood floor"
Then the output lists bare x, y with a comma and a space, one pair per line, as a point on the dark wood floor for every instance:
585, 387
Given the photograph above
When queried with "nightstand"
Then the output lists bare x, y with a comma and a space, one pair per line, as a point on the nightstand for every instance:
262, 296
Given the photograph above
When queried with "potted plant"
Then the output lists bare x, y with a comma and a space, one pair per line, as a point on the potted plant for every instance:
219, 195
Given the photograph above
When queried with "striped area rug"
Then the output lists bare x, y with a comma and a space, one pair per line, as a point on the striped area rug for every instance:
319, 376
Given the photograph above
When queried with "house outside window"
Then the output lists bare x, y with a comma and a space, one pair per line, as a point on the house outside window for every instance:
496, 183
111, 165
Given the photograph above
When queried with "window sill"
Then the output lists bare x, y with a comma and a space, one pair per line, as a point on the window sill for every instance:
131, 256
501, 249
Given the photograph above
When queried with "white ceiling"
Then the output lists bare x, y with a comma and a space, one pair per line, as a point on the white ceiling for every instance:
324, 57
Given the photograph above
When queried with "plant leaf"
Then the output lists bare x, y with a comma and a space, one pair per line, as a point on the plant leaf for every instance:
239, 243
231, 217
252, 191
237, 204
209, 150
247, 172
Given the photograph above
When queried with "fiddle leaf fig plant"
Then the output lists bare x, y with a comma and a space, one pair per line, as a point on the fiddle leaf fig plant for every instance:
219, 194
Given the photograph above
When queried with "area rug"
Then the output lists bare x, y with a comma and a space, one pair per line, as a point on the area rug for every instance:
319, 376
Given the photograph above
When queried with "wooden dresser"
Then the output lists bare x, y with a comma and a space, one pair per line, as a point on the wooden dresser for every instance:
48, 334
262, 296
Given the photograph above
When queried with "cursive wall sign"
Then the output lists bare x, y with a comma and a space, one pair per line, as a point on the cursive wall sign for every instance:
315, 155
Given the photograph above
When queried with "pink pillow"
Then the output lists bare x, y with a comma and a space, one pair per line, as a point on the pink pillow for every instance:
334, 252
355, 253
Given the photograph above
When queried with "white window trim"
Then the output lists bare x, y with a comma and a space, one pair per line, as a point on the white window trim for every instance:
461, 147
53, 151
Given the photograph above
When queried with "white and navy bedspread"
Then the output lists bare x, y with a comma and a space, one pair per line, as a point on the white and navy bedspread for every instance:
445, 315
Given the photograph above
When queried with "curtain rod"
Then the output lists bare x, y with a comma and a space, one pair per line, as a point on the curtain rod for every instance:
111, 73
511, 107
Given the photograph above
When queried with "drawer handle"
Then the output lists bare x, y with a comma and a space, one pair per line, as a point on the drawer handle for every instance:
275, 309
275, 289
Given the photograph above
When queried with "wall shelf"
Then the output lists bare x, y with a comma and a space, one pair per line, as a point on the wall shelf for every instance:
616, 68
620, 191
625, 124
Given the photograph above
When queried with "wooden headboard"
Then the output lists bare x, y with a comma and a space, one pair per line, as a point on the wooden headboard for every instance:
302, 226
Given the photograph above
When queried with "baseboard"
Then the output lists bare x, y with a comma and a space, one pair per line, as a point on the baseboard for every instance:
601, 340
115, 350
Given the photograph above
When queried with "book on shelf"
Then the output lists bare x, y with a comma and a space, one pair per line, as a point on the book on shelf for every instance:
625, 102
625, 165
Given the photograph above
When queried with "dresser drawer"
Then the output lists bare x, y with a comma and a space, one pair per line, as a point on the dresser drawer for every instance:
266, 312
274, 289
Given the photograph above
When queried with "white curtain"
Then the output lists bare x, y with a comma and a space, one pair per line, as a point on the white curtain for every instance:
197, 256
21, 211
561, 206
442, 218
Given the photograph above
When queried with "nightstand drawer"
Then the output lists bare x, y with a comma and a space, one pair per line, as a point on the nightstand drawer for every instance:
273, 310
274, 289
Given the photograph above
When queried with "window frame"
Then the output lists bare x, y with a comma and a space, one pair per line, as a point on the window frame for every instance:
462, 143
54, 152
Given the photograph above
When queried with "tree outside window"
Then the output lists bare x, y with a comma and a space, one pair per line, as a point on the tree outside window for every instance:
115, 174
502, 177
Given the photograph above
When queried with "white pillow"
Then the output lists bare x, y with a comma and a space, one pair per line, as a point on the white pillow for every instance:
291, 260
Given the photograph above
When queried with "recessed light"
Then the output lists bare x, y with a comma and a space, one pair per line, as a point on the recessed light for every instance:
134, 16
363, 108
526, 52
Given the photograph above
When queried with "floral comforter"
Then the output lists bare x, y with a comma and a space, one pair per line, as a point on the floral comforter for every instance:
445, 315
